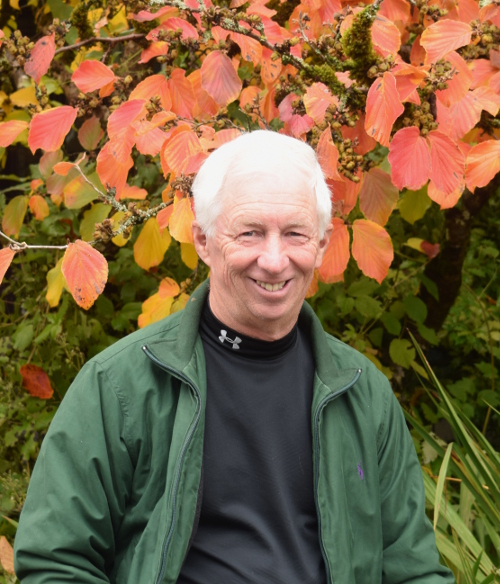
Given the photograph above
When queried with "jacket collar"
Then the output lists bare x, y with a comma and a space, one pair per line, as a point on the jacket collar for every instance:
177, 355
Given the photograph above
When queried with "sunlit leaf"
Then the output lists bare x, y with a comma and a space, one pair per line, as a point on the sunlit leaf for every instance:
40, 57
270, 69
13, 215
151, 245
316, 101
113, 164
189, 255
378, 196
123, 116
10, 130
154, 50
251, 50
181, 220
219, 79
6, 257
36, 381
447, 163
459, 84
63, 168
328, 155
372, 249
154, 309
344, 194
483, 163
409, 158
444, 200
178, 151
181, 94
55, 284
168, 288
49, 128
132, 192
337, 253
386, 37
92, 75
90, 133
86, 272
38, 206
78, 193
444, 36
152, 86
205, 106
383, 107
163, 217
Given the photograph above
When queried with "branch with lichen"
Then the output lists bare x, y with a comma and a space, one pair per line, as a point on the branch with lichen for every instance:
109, 40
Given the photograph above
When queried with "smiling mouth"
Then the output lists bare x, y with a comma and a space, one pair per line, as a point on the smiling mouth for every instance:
271, 287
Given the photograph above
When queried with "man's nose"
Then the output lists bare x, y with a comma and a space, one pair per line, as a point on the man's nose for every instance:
273, 257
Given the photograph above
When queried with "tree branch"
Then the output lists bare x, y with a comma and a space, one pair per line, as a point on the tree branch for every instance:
22, 245
129, 37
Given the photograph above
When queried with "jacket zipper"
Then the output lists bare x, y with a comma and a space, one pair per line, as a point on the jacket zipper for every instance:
183, 378
317, 415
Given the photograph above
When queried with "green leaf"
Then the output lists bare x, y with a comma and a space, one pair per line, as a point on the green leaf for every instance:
413, 205
441, 482
376, 335
398, 309
428, 334
363, 287
96, 214
401, 352
59, 9
489, 396
429, 285
487, 370
23, 337
461, 388
391, 323
415, 308
345, 305
368, 306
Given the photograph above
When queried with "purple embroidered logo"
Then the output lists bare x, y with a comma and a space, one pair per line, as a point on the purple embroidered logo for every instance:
360, 471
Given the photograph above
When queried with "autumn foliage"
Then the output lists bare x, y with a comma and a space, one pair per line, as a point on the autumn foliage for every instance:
394, 95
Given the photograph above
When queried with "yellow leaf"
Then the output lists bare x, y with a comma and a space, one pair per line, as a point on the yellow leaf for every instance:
119, 240
55, 284
24, 97
180, 303
189, 255
96, 214
413, 205
118, 23
180, 221
151, 245
13, 216
14, 4
154, 308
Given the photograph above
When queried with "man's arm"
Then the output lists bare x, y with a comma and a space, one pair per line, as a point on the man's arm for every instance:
78, 490
410, 553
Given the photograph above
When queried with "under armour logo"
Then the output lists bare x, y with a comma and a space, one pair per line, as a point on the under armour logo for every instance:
223, 337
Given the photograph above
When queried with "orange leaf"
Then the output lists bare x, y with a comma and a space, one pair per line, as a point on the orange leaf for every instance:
205, 106
151, 142
49, 128
181, 220
39, 208
163, 217
223, 137
151, 245
313, 286
92, 75
344, 194
464, 115
482, 71
154, 85
6, 555
488, 99
444, 36
468, 10
130, 192
146, 16
179, 149
62, 168
86, 272
372, 249
383, 107
251, 50
122, 117
337, 253
386, 37
168, 288
270, 70
90, 133
447, 163
6, 257
378, 196
328, 155
113, 165
298, 124
364, 142
181, 93
219, 79
316, 100
445, 201
459, 84
483, 163
36, 381
9, 131
173, 24
154, 50
13, 215
409, 159
395, 10
40, 57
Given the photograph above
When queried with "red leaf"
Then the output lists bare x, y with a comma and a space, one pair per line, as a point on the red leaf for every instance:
38, 206
409, 159
36, 381
154, 50
386, 37
181, 93
372, 249
178, 150
328, 155
344, 194
154, 85
483, 163
383, 107
113, 164
459, 84
219, 79
395, 10
378, 196
9, 131
49, 128
337, 253
447, 163
6, 257
122, 118
146, 16
90, 133
298, 124
251, 50
173, 24
443, 37
86, 272
163, 217
92, 75
431, 250
40, 57
317, 99
270, 70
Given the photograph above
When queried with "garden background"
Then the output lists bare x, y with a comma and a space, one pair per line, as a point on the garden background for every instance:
108, 109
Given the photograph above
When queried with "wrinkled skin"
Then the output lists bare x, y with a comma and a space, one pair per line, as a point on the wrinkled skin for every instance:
269, 234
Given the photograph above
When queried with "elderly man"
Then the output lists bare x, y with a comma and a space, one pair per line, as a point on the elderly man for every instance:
234, 442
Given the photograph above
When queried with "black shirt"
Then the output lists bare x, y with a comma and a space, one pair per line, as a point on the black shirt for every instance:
258, 521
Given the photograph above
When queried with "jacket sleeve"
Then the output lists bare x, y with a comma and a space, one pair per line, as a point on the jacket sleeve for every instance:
410, 553
79, 488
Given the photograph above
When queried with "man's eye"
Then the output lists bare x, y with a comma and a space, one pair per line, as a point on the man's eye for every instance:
248, 233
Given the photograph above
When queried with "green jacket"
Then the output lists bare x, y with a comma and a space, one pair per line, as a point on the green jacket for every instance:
113, 496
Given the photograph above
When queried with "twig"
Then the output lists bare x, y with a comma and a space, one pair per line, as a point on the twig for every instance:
129, 37
22, 245
107, 198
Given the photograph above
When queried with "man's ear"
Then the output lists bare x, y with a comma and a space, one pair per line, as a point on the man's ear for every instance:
200, 242
323, 244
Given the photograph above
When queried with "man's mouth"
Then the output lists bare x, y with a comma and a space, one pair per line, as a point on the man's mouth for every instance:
271, 287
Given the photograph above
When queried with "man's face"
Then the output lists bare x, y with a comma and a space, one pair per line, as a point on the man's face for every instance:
263, 255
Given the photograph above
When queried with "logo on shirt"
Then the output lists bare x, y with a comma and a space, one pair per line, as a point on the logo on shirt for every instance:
223, 337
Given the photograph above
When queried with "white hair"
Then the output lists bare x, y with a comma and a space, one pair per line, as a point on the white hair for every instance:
254, 154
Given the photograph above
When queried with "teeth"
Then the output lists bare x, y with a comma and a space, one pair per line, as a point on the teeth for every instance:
271, 287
